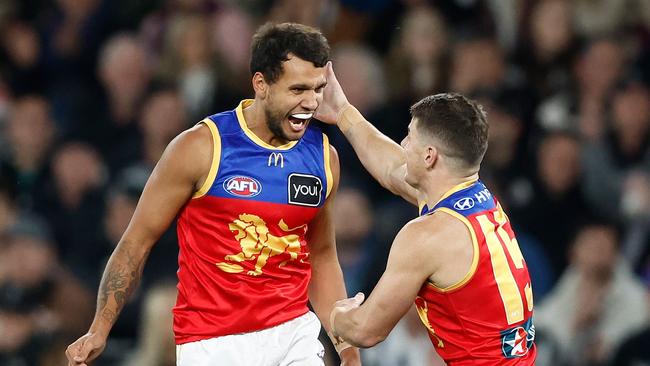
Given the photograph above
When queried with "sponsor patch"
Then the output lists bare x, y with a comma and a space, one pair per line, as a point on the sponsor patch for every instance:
305, 190
464, 203
516, 342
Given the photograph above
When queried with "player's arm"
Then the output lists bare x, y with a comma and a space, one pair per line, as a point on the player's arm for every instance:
411, 261
384, 159
173, 181
326, 285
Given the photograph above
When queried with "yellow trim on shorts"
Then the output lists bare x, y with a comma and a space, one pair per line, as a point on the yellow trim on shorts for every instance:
216, 159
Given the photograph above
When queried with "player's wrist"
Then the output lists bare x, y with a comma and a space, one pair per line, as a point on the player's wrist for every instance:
99, 330
339, 343
348, 117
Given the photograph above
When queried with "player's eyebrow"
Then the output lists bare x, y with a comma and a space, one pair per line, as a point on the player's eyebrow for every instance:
303, 86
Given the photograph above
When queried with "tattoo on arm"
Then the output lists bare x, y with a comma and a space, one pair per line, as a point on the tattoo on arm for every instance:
120, 279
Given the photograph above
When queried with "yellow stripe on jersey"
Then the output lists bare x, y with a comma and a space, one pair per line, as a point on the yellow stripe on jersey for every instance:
328, 167
216, 158
475, 255
242, 123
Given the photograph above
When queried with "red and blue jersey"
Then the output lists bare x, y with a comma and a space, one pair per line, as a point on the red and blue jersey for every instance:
486, 318
243, 258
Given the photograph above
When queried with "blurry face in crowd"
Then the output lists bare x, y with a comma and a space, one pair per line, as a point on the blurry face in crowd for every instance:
124, 70
559, 163
292, 99
424, 35
361, 75
600, 67
595, 253
30, 127
76, 168
193, 42
166, 107
631, 110
503, 136
30, 261
551, 26
352, 215
468, 75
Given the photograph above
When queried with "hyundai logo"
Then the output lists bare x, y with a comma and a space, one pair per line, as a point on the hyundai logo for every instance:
464, 203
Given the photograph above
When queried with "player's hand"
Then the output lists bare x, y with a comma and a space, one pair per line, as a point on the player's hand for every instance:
350, 303
350, 357
334, 99
345, 305
85, 349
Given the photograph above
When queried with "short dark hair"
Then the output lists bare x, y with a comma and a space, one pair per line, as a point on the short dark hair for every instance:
272, 43
458, 123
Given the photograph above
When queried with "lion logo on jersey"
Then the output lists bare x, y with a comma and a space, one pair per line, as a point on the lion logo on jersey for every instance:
257, 243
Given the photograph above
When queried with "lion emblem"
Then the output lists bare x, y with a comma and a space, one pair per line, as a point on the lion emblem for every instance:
258, 244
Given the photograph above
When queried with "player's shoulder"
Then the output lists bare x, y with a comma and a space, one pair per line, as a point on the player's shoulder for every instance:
433, 230
191, 150
197, 138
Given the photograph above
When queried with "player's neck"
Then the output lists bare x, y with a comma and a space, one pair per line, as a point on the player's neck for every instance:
437, 188
255, 120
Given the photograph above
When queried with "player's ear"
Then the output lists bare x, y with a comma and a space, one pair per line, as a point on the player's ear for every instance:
260, 86
431, 156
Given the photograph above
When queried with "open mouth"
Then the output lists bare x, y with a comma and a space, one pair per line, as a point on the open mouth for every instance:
298, 121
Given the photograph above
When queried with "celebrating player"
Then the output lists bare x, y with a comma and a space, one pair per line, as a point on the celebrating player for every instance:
459, 260
246, 185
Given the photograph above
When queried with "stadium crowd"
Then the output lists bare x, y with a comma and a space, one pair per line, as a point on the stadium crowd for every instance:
91, 92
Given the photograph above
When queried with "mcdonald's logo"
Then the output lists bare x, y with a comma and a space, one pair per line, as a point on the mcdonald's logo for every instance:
276, 157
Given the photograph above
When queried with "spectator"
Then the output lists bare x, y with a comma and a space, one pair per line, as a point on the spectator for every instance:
546, 49
35, 290
162, 118
124, 72
31, 134
597, 302
418, 56
552, 197
613, 161
353, 219
72, 203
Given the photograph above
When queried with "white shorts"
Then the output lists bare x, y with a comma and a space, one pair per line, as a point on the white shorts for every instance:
292, 343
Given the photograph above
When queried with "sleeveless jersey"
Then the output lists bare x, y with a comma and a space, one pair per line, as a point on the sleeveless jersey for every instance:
486, 318
243, 258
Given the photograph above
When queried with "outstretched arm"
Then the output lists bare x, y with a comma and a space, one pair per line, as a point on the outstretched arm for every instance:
382, 157
175, 178
327, 286
409, 266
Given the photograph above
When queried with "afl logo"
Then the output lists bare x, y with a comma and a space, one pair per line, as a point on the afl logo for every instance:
464, 203
242, 186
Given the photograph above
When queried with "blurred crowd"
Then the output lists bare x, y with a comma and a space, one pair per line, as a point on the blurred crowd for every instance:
91, 92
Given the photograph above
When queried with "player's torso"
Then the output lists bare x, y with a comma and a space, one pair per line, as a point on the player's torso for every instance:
485, 319
244, 260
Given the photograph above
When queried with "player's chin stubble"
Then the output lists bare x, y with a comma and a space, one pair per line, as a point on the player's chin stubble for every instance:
274, 123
